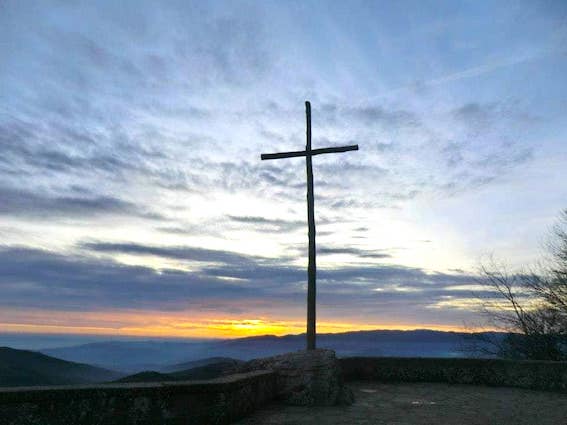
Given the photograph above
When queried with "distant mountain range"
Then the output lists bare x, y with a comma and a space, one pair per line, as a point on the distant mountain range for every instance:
160, 360
132, 356
29, 368
171, 356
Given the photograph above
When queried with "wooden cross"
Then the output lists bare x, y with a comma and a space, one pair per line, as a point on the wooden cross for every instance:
308, 153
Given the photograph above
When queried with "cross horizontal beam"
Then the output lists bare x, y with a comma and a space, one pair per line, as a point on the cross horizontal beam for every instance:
311, 152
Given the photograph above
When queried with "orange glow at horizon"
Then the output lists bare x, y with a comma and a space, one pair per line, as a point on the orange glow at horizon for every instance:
216, 328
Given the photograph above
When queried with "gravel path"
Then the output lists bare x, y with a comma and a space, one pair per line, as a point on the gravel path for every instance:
426, 403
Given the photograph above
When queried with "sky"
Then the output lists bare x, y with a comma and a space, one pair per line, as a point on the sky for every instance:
132, 196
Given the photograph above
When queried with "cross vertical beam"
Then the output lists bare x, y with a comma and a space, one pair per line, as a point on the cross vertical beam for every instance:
309, 153
312, 266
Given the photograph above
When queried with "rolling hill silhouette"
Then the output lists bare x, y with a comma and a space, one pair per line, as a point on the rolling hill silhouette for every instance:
208, 371
30, 368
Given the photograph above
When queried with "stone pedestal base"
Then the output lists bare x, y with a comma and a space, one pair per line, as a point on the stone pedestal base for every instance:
306, 378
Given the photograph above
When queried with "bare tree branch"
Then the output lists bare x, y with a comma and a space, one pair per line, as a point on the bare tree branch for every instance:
530, 305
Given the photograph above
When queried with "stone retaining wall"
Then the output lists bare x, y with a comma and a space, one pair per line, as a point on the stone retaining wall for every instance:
225, 400
537, 375
219, 401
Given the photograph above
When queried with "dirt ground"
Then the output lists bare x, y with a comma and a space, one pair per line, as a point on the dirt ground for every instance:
426, 403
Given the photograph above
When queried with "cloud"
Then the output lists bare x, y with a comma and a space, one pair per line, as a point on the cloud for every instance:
208, 45
490, 66
187, 229
476, 114
270, 224
369, 115
176, 252
57, 152
44, 280
440, 153
21, 203
361, 253
117, 91
352, 203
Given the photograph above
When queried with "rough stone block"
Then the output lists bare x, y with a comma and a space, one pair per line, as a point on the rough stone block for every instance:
306, 378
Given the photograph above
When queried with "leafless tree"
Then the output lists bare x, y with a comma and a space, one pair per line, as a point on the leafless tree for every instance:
552, 285
531, 306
